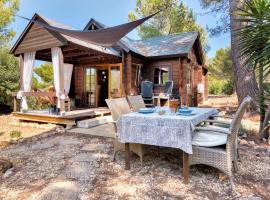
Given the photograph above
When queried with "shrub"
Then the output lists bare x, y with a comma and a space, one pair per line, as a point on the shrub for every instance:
15, 134
228, 88
215, 86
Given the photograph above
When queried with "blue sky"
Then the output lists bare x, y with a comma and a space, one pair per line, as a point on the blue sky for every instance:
77, 13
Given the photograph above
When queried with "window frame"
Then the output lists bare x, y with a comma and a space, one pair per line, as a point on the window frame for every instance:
170, 76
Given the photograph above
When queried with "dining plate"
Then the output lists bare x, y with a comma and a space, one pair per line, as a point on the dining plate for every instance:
146, 110
186, 114
185, 110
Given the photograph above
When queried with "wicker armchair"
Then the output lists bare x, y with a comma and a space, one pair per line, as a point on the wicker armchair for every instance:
136, 102
119, 107
225, 159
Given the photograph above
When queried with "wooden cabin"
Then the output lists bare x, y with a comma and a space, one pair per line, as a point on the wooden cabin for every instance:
100, 73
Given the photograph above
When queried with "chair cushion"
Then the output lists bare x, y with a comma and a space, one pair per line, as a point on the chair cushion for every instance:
209, 139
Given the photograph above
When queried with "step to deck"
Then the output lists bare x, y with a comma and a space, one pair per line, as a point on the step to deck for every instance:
89, 123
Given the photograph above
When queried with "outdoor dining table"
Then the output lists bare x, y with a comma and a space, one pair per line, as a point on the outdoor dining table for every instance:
167, 130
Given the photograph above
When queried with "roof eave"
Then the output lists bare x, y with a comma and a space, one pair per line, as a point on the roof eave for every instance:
27, 28
167, 56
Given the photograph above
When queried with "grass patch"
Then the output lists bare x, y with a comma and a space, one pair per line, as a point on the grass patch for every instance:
15, 134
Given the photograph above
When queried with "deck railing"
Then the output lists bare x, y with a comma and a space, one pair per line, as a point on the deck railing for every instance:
36, 94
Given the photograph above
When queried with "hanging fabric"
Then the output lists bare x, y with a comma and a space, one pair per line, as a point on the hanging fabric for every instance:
26, 76
68, 68
105, 37
57, 58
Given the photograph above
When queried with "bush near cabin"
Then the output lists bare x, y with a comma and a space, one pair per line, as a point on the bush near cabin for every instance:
221, 72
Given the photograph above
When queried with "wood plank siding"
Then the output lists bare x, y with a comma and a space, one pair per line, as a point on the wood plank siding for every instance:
37, 38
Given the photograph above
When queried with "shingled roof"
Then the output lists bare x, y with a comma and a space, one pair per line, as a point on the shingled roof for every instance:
175, 44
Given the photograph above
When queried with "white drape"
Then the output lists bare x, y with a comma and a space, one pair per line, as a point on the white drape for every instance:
56, 59
68, 68
27, 72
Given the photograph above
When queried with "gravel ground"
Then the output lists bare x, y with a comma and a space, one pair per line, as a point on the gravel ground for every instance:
8, 124
71, 166
56, 165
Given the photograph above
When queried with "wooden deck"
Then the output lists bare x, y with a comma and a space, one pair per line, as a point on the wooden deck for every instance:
69, 118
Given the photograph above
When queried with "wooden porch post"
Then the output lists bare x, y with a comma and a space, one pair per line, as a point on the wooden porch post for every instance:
128, 73
183, 81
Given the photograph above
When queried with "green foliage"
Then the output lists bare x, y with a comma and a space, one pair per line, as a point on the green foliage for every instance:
254, 35
221, 66
15, 134
214, 86
45, 72
254, 43
175, 17
9, 75
9, 69
221, 11
228, 88
7, 10
220, 70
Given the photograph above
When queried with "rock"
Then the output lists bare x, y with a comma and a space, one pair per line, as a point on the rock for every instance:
243, 142
5, 165
268, 151
8, 173
251, 143
60, 190
244, 135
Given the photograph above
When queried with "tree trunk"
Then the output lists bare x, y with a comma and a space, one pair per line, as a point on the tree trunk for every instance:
265, 132
261, 97
245, 81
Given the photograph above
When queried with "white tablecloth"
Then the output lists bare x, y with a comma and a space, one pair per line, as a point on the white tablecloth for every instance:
169, 130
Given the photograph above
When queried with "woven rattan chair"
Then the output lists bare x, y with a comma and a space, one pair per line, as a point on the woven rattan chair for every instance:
136, 102
119, 107
225, 159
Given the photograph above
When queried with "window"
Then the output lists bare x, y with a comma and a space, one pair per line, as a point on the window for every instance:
90, 85
162, 75
137, 80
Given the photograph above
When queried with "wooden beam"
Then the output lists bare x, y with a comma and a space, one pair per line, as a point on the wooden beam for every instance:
43, 118
78, 53
35, 94
90, 58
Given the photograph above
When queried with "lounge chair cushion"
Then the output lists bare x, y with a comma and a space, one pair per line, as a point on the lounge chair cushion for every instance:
209, 139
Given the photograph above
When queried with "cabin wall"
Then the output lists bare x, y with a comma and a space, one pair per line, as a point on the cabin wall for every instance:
179, 73
77, 83
198, 78
173, 64
130, 73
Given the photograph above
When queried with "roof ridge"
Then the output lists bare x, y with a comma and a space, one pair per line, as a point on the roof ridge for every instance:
161, 36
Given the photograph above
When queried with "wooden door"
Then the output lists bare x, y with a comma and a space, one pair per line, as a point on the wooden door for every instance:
115, 80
